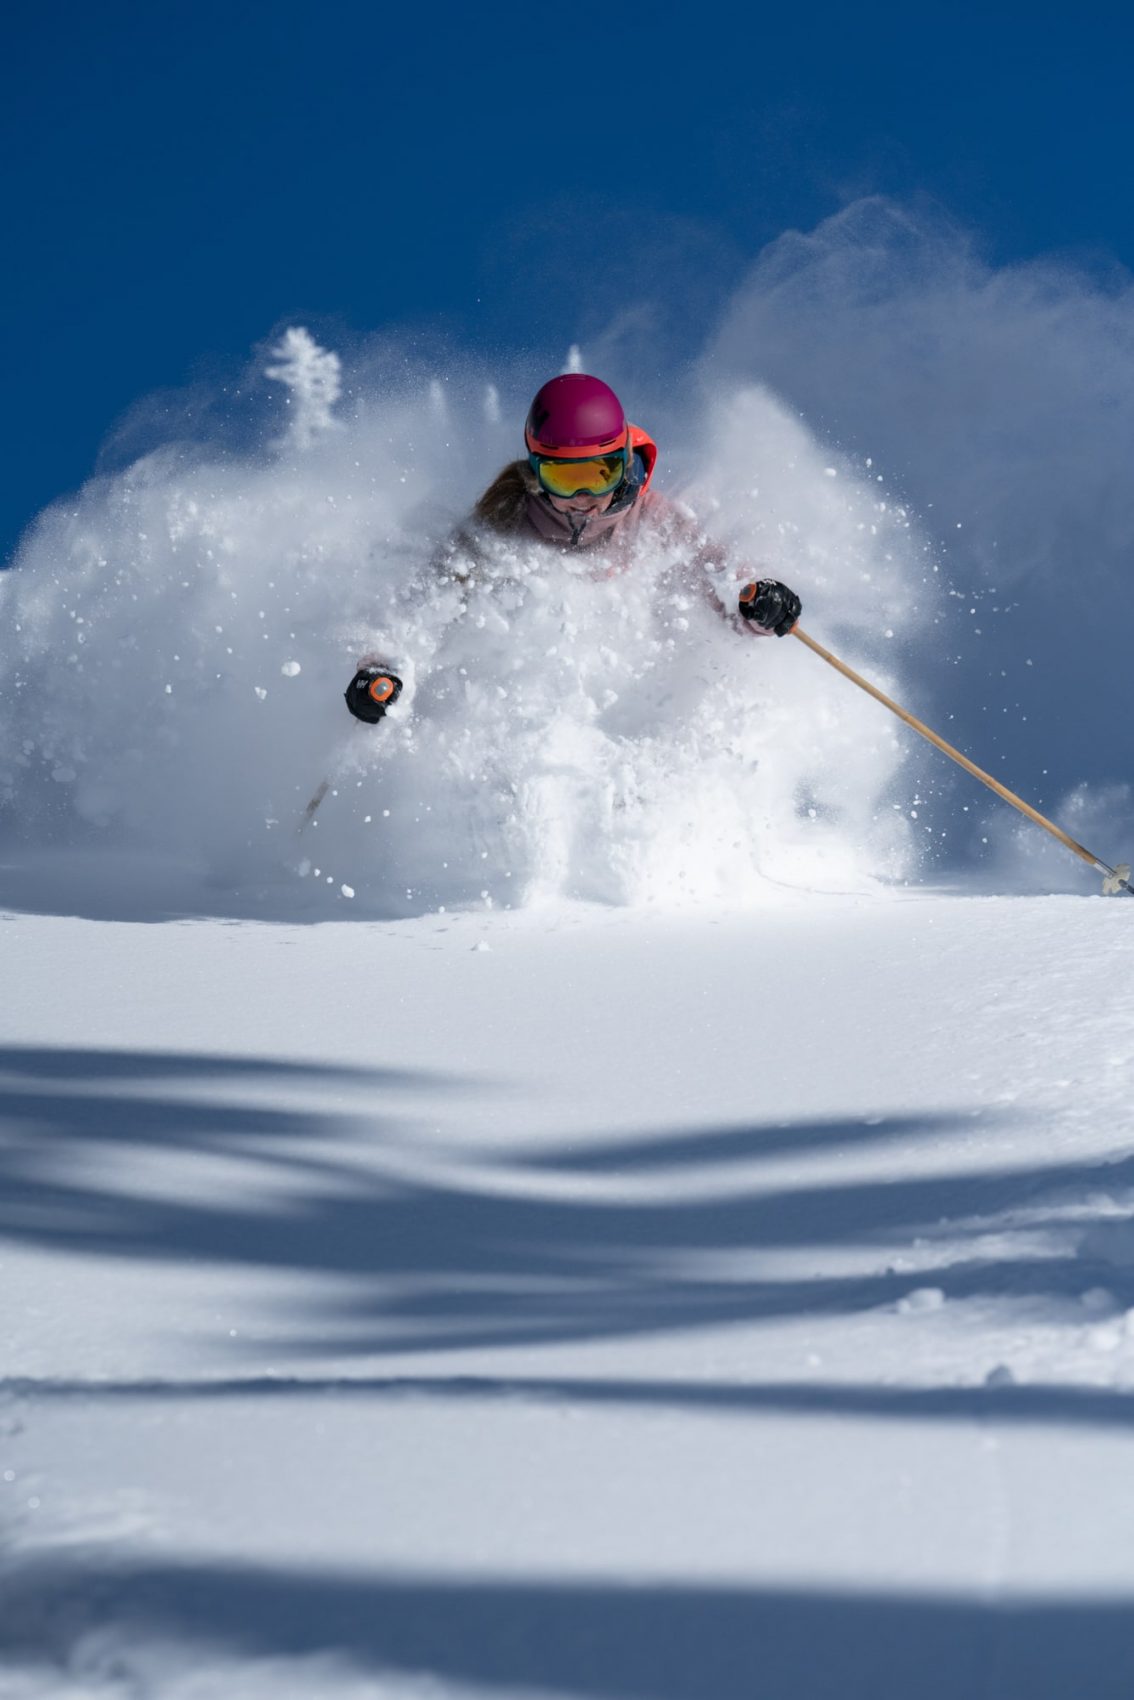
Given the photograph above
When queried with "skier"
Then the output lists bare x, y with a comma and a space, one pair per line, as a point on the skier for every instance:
586, 484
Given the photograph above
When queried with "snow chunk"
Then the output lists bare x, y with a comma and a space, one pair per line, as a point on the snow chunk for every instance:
921, 1299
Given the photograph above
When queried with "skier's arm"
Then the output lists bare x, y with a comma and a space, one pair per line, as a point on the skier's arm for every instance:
766, 607
382, 673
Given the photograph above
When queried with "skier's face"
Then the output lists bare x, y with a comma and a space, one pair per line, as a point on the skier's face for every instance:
582, 503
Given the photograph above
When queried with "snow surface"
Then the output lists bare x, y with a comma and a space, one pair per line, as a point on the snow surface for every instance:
572, 1301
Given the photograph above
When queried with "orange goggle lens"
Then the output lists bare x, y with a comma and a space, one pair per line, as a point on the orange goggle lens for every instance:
596, 476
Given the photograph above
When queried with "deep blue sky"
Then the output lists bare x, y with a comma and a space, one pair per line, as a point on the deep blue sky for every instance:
180, 179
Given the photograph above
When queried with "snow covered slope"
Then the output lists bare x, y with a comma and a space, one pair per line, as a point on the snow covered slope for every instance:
571, 1301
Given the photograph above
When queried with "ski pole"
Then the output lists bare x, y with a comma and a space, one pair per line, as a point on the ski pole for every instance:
1117, 879
310, 811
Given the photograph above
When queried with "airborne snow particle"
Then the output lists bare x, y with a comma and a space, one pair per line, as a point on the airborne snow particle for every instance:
290, 669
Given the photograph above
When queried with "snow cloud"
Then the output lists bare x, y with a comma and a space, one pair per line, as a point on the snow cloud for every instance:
926, 446
572, 734
998, 403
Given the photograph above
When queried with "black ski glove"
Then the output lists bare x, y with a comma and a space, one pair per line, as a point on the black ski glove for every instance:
371, 692
770, 604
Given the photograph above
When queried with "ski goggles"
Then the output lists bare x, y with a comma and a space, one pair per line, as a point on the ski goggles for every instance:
597, 475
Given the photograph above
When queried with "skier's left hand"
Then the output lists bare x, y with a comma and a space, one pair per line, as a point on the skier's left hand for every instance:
770, 605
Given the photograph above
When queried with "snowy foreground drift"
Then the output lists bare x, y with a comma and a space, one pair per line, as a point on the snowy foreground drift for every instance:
572, 1302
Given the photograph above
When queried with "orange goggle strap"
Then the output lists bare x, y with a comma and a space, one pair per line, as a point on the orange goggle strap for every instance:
643, 445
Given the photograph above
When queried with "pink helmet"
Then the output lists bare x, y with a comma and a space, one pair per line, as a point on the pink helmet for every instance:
574, 416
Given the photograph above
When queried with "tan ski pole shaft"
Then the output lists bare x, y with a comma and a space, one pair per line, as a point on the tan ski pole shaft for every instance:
953, 754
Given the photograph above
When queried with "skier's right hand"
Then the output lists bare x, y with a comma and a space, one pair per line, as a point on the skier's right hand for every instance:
371, 692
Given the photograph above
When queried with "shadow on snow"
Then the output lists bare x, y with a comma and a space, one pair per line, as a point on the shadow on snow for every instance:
1035, 1403
633, 1642
438, 1260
